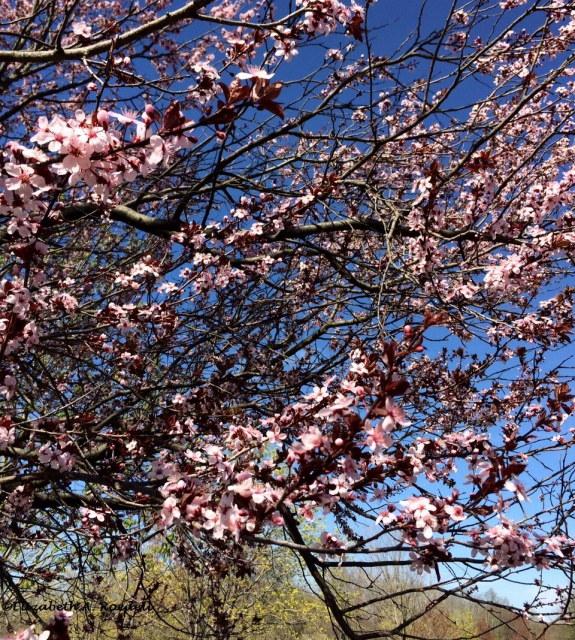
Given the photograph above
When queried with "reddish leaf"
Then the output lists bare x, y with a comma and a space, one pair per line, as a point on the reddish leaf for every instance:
224, 87
266, 92
238, 92
274, 107
223, 116
562, 392
354, 27
397, 388
173, 117
515, 468
432, 320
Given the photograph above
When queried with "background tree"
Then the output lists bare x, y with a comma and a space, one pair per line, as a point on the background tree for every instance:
240, 287
153, 596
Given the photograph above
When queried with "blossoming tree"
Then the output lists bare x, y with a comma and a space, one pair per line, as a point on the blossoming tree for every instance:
263, 260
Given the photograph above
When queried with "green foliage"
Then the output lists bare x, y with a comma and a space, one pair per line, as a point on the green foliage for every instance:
212, 598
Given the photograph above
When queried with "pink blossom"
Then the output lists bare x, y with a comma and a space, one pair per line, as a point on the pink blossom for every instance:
421, 508
53, 133
312, 439
455, 512
340, 405
329, 541
230, 517
307, 511
556, 544
8, 388
320, 393
77, 155
245, 487
93, 514
386, 517
127, 116
65, 301
377, 437
340, 486
275, 436
56, 458
285, 45
80, 28
23, 179
170, 512
393, 415
6, 437
28, 634
513, 484
419, 563
255, 73
21, 223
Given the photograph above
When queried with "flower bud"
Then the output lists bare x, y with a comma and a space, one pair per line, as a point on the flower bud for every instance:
103, 118
152, 112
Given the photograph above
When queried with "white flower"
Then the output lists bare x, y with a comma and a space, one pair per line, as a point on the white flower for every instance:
254, 73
